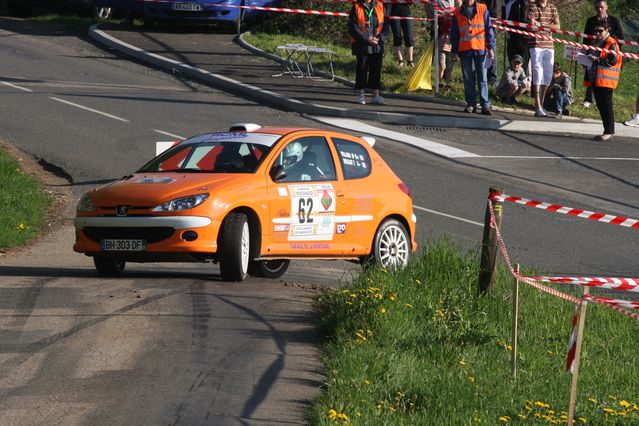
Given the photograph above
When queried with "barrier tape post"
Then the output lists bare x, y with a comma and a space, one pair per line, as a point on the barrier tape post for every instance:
489, 244
513, 354
575, 363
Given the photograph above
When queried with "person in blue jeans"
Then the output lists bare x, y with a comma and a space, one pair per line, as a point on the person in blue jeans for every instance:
473, 40
559, 93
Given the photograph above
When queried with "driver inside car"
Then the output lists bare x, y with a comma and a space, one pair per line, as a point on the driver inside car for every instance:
296, 166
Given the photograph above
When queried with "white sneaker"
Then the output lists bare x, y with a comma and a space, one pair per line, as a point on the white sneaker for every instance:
633, 122
587, 104
378, 100
361, 99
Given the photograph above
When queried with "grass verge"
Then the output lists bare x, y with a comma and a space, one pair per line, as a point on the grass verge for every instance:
420, 347
394, 77
24, 204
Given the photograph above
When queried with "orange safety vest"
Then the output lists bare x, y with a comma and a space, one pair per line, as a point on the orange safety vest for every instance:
363, 22
472, 34
607, 76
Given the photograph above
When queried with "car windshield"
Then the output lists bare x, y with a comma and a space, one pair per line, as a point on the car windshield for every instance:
208, 157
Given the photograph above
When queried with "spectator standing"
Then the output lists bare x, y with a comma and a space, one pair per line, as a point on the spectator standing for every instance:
473, 39
542, 52
614, 28
514, 81
603, 77
516, 44
446, 58
368, 29
559, 93
634, 120
402, 27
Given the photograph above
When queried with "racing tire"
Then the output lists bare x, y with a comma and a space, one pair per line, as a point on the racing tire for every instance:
108, 266
391, 246
234, 245
268, 268
18, 8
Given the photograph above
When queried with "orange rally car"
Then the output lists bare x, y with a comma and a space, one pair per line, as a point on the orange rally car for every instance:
252, 199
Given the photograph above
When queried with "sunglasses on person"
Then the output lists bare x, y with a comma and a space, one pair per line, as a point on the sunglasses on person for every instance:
599, 30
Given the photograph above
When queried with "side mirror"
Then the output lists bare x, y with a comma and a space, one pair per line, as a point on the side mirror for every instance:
278, 173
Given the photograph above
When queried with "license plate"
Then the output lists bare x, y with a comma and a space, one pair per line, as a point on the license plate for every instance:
190, 7
123, 245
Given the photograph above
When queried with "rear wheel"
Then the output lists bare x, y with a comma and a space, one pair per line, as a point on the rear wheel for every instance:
108, 266
268, 268
234, 245
391, 248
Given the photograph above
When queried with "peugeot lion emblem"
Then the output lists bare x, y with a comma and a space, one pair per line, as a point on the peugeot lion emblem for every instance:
122, 210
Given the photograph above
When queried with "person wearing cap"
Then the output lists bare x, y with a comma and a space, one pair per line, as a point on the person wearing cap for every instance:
614, 27
513, 82
603, 76
559, 93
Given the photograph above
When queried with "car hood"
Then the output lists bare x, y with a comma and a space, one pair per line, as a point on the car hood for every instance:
151, 189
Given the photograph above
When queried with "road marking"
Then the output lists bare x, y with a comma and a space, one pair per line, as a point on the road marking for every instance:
169, 134
541, 157
450, 216
425, 144
16, 87
115, 117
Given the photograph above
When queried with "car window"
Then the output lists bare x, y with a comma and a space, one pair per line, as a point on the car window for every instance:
307, 159
212, 157
356, 163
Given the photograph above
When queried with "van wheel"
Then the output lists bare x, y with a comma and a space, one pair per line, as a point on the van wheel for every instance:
234, 244
391, 247
108, 266
268, 268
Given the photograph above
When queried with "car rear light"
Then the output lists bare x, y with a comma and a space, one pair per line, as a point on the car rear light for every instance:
404, 189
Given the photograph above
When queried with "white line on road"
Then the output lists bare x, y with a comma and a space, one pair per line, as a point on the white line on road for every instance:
168, 134
115, 117
554, 157
16, 87
425, 144
447, 215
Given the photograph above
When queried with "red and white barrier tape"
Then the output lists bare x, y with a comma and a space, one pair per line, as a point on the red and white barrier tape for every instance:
551, 30
626, 304
309, 11
610, 283
600, 217
562, 41
572, 340
614, 306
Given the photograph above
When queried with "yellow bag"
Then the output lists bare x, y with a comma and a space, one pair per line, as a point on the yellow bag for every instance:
420, 77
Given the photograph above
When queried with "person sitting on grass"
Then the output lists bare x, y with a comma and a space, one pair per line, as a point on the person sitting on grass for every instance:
559, 93
514, 81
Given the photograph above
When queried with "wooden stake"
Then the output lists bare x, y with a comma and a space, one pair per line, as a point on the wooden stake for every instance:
575, 363
513, 355
489, 246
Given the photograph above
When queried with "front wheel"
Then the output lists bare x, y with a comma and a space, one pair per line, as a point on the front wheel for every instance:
268, 268
391, 247
234, 243
108, 266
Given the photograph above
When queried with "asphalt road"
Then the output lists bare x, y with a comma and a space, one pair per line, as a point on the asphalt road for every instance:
172, 343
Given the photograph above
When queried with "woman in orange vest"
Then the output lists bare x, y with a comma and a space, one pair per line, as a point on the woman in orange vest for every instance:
603, 77
368, 29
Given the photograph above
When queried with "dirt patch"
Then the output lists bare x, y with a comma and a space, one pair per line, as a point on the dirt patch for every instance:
58, 187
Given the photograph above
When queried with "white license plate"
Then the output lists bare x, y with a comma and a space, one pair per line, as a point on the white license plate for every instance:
190, 7
123, 245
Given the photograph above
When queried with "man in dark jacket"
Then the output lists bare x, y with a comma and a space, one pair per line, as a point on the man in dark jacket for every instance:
614, 28
516, 44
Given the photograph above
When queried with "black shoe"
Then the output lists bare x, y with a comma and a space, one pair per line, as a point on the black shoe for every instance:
566, 112
485, 110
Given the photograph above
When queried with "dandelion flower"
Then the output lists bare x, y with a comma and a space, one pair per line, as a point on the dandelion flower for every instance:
582, 419
471, 379
504, 419
509, 347
609, 410
409, 306
418, 282
593, 400
462, 362
367, 382
332, 414
342, 416
382, 310
624, 403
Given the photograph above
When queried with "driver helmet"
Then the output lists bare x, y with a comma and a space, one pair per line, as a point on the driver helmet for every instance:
293, 154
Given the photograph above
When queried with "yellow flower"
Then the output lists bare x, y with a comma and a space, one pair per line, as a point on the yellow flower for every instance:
342, 416
22, 227
392, 298
462, 362
609, 410
358, 414
541, 404
382, 310
504, 419
349, 303
360, 335
624, 403
614, 398
582, 419
332, 414
593, 400
510, 348
549, 352
367, 382
418, 282
409, 306
471, 378
521, 416
477, 420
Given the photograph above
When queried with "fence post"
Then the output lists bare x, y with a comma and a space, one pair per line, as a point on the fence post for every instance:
513, 355
489, 245
575, 363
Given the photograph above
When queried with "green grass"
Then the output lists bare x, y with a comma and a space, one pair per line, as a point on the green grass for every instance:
420, 347
24, 204
394, 77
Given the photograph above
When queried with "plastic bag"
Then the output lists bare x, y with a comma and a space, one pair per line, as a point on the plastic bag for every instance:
420, 77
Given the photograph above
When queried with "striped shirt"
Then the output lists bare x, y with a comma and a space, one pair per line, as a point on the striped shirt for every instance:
544, 16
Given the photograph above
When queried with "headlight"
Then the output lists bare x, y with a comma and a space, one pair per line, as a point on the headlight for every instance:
183, 203
85, 204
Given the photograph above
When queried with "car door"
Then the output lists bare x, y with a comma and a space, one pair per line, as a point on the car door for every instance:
305, 204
